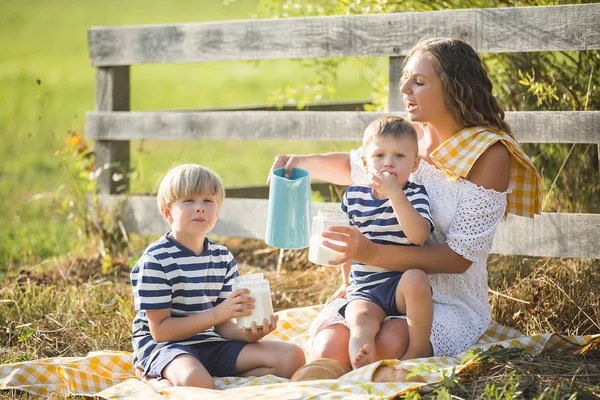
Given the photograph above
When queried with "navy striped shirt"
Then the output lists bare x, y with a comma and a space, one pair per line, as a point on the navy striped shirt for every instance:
169, 275
376, 219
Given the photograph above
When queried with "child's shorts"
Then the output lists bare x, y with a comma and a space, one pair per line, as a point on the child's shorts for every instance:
217, 357
384, 295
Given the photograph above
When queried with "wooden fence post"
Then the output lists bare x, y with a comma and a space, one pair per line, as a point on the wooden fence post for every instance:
112, 94
395, 102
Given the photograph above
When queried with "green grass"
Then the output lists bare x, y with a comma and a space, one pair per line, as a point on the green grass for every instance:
47, 85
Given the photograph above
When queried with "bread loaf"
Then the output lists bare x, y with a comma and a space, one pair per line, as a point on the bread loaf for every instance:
324, 368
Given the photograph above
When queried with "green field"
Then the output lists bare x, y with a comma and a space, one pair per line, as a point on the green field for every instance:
47, 85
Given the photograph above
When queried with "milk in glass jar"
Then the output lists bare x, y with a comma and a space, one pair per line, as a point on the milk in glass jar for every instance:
261, 292
318, 253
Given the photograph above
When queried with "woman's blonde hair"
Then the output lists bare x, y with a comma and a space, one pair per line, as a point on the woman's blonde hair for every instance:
466, 85
188, 180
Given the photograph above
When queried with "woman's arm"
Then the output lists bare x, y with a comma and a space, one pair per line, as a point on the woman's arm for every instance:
432, 259
492, 168
329, 167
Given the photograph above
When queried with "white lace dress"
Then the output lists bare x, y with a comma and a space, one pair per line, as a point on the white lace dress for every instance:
465, 216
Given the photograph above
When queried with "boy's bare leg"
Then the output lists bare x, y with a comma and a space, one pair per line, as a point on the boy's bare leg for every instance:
413, 298
269, 357
364, 319
186, 370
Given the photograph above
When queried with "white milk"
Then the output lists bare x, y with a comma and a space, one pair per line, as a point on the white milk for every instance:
261, 292
263, 308
319, 254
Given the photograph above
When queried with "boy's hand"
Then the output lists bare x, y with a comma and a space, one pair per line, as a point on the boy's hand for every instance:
236, 305
340, 293
387, 184
254, 334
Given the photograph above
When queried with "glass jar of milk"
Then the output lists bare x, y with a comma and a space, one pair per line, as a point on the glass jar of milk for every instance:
317, 253
261, 292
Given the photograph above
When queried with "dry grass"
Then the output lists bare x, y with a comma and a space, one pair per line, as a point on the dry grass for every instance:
546, 295
511, 373
69, 308
66, 309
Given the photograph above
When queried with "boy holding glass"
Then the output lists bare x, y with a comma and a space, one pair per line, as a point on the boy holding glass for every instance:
182, 285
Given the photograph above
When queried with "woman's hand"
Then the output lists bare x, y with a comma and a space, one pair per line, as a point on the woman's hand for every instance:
288, 162
340, 293
357, 247
253, 334
329, 167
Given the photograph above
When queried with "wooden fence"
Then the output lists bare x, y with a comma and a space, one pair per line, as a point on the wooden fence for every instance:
501, 30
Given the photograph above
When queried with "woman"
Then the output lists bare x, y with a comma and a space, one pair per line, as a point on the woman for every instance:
473, 171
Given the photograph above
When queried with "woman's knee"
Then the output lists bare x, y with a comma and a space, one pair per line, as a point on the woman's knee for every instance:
332, 343
392, 340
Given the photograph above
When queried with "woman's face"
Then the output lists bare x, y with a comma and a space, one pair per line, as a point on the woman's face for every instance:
422, 91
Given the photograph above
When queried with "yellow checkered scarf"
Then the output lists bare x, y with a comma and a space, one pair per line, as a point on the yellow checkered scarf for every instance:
457, 155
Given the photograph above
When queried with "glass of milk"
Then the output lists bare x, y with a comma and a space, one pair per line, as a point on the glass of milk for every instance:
317, 252
261, 292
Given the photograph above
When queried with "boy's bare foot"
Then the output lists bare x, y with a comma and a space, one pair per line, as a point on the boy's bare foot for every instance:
154, 383
364, 357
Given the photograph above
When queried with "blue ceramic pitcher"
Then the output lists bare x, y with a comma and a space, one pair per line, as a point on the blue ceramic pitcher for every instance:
288, 216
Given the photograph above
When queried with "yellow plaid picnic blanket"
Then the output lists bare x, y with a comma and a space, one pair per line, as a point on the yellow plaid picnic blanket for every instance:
110, 374
457, 155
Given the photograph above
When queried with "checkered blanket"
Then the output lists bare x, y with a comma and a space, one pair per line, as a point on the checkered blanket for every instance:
110, 374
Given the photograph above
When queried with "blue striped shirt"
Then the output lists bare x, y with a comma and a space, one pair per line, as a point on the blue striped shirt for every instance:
376, 219
169, 275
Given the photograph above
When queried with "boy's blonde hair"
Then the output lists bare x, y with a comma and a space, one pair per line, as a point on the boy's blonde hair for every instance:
390, 126
188, 180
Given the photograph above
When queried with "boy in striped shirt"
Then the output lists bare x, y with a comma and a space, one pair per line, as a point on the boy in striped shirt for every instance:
390, 210
182, 286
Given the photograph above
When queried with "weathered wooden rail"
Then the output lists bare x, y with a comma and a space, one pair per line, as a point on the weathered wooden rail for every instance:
524, 29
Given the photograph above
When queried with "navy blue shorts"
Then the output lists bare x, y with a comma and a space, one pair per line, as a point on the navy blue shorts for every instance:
217, 357
384, 295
